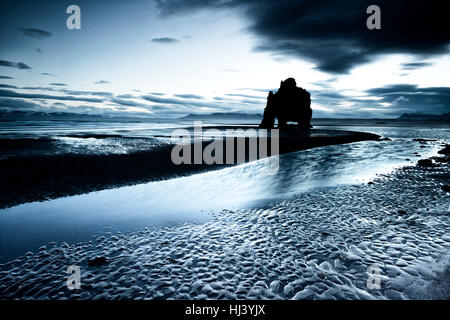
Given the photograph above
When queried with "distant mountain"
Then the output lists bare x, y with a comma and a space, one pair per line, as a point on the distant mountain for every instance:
423, 116
7, 115
224, 115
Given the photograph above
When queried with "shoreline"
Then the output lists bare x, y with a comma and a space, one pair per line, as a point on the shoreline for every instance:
44, 177
312, 246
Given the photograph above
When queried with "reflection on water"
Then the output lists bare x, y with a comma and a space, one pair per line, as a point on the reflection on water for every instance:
26, 129
189, 199
143, 129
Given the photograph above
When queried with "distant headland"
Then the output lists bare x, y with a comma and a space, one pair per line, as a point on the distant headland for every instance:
17, 115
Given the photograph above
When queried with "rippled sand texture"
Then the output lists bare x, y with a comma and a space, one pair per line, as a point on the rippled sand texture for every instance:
315, 246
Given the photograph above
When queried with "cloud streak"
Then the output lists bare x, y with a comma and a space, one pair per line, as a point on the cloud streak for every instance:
415, 65
165, 40
35, 33
14, 94
18, 65
381, 102
189, 96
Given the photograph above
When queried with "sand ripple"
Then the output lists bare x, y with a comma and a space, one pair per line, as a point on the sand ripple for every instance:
317, 245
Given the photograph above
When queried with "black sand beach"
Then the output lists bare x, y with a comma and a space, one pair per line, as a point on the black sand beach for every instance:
317, 245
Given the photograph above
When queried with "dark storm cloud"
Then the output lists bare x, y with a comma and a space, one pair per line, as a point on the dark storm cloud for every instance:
165, 40
19, 65
35, 33
169, 7
6, 77
102, 82
333, 34
58, 84
415, 65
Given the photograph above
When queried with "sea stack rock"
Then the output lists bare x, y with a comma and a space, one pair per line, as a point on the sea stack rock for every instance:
289, 103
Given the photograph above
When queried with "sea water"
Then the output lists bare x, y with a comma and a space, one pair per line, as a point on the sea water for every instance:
194, 198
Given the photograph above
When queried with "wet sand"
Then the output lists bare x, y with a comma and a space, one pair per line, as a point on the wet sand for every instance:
40, 177
317, 245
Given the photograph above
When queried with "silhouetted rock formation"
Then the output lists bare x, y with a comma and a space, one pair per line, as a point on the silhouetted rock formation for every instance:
289, 103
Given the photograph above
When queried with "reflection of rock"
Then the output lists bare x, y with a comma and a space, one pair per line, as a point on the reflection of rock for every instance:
289, 103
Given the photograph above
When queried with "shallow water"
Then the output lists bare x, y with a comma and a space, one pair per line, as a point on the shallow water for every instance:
310, 231
316, 245
191, 199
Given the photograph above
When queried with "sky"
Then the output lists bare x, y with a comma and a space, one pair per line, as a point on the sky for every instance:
170, 58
